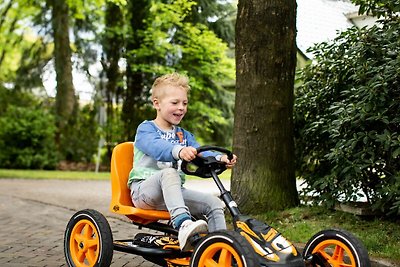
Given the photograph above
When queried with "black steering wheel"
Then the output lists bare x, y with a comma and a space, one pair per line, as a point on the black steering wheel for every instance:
204, 165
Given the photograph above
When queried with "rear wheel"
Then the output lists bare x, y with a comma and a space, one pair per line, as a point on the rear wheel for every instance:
338, 248
88, 240
224, 248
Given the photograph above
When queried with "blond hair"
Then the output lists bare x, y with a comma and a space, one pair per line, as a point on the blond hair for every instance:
173, 79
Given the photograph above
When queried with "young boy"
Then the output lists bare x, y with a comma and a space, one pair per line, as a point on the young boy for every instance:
160, 145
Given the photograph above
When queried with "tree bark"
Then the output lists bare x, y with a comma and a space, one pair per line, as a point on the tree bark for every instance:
113, 43
65, 96
264, 177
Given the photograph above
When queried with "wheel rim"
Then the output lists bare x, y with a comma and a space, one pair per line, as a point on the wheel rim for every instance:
336, 253
220, 255
84, 244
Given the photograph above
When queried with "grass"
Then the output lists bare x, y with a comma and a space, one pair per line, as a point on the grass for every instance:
64, 175
70, 175
380, 237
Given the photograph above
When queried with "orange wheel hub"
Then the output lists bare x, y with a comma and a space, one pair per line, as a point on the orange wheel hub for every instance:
220, 255
336, 253
84, 244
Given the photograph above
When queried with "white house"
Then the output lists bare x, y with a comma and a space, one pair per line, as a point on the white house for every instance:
321, 20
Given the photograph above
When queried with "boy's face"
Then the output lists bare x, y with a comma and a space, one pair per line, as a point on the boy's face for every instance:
171, 106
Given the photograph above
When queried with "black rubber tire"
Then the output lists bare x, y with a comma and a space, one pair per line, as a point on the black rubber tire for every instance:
88, 240
226, 243
338, 247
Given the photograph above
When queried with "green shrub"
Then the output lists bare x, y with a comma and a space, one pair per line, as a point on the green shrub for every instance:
27, 139
347, 118
379, 8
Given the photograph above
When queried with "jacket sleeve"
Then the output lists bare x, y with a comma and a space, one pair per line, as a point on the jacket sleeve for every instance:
191, 140
150, 142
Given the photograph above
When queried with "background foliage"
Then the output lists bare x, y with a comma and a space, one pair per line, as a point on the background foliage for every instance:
346, 110
379, 8
27, 138
348, 118
172, 42
134, 46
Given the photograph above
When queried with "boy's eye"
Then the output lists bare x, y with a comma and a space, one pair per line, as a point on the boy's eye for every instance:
177, 102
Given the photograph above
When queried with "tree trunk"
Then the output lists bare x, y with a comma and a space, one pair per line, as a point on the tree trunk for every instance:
134, 79
65, 96
113, 43
264, 177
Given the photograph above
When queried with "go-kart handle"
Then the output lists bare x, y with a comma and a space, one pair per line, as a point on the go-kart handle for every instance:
206, 164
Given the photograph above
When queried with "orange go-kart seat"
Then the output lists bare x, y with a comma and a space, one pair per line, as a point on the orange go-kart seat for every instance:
121, 203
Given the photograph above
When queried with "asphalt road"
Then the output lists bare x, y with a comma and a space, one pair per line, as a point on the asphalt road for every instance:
34, 214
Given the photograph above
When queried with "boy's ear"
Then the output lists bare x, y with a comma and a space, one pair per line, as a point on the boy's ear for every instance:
156, 103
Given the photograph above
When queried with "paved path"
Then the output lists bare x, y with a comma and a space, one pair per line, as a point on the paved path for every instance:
34, 214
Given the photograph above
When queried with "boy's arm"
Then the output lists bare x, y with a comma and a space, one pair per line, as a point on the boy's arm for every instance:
192, 142
218, 156
150, 142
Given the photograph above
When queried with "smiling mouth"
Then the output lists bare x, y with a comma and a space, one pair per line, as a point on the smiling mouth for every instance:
178, 115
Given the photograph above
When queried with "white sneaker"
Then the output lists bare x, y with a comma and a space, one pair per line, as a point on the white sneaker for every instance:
188, 229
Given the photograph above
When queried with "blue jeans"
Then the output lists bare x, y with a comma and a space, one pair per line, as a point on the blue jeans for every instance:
163, 191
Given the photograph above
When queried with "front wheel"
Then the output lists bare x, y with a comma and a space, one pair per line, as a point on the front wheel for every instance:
88, 240
338, 248
223, 248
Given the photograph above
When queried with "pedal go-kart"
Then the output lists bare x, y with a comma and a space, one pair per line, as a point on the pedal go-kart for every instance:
88, 239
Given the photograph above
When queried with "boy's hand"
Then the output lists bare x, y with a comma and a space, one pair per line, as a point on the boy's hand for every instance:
229, 163
188, 153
